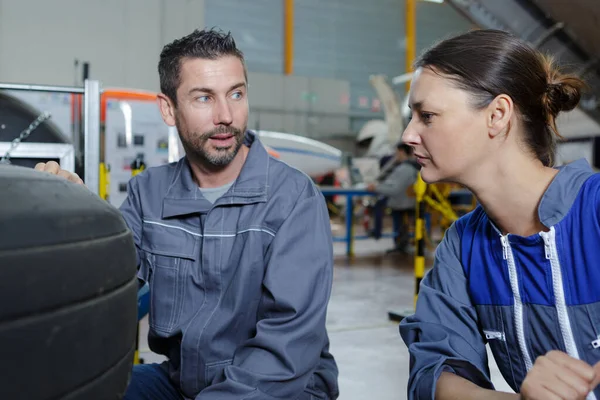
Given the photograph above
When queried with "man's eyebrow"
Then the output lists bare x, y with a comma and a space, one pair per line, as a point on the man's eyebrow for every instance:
201, 89
237, 86
211, 91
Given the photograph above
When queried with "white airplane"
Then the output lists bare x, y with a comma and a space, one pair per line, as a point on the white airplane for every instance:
316, 158
312, 157
385, 134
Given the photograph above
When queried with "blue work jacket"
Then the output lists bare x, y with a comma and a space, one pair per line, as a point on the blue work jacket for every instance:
522, 295
239, 288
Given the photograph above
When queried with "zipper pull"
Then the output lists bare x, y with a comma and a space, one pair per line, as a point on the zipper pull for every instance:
491, 335
504, 241
546, 244
596, 343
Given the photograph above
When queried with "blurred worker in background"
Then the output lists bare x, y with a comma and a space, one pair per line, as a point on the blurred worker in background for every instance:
394, 185
521, 272
236, 246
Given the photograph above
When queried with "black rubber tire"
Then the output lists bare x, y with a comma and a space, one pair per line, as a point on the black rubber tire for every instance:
68, 291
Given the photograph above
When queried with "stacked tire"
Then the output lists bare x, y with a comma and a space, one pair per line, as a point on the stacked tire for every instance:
68, 291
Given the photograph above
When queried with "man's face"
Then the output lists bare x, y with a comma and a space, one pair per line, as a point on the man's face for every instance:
212, 109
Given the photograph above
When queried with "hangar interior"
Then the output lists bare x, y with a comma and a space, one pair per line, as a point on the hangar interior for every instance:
327, 85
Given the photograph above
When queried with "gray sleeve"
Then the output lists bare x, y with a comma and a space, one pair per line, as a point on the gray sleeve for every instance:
278, 362
443, 334
131, 212
398, 181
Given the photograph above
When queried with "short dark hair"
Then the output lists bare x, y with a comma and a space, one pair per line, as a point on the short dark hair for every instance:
405, 148
209, 44
488, 63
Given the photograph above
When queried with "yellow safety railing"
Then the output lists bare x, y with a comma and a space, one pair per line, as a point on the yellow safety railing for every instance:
104, 181
435, 196
420, 188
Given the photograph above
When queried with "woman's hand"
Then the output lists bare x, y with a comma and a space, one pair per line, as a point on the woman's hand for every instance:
558, 376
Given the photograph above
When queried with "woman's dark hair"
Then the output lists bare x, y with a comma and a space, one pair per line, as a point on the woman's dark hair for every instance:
208, 44
487, 63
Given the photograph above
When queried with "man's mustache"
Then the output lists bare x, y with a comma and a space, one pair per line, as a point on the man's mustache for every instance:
220, 130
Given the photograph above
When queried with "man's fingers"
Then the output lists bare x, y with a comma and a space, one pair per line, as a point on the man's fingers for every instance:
581, 368
52, 167
68, 175
76, 179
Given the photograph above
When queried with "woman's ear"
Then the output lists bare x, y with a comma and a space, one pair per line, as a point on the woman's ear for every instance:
500, 113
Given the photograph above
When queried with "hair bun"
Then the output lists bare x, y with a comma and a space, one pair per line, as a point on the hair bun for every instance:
563, 95
563, 92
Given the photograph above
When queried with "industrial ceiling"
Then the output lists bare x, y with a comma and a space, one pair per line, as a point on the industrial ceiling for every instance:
567, 29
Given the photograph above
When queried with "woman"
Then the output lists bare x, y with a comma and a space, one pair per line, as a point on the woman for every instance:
522, 271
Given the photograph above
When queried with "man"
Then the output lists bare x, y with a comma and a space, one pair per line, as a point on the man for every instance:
236, 247
394, 182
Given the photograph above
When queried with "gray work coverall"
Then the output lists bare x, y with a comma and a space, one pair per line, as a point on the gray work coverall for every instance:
239, 289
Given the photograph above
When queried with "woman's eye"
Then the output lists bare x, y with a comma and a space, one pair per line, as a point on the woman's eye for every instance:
426, 117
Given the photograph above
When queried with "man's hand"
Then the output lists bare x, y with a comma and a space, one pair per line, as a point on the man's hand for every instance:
558, 376
52, 167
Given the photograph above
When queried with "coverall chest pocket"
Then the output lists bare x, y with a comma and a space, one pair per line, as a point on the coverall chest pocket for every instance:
169, 257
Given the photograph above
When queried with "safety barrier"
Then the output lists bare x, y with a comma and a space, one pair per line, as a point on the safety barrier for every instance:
425, 195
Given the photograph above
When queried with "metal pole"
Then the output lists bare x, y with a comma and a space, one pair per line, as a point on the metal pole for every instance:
411, 36
288, 36
41, 88
91, 99
420, 187
350, 225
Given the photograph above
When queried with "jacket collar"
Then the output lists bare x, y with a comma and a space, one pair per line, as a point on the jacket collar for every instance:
184, 196
562, 192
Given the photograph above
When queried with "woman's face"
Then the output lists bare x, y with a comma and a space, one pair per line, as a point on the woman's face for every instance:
448, 135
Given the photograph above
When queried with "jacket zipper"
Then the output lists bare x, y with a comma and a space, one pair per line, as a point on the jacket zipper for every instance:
559, 296
518, 304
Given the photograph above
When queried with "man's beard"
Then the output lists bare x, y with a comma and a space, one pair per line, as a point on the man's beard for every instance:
198, 148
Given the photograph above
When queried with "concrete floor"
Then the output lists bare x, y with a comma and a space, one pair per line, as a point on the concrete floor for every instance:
371, 356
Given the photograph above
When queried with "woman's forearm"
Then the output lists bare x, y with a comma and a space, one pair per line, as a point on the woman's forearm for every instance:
453, 387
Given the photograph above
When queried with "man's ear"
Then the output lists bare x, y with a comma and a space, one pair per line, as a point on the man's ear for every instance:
500, 113
167, 109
